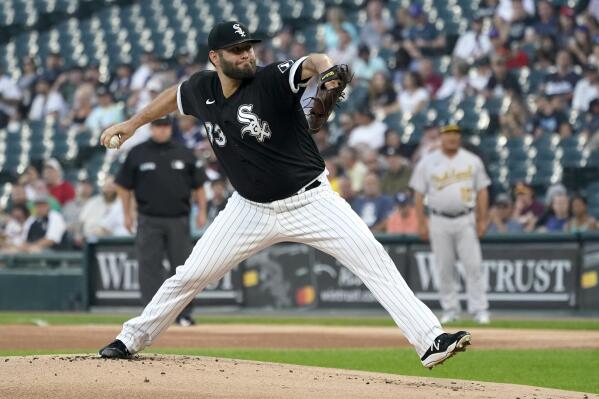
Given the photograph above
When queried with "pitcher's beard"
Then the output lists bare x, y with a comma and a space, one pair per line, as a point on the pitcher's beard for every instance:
238, 73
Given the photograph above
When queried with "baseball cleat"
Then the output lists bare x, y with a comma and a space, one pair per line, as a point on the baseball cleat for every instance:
115, 350
444, 347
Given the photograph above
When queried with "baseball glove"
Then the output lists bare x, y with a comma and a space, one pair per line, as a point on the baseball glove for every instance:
321, 105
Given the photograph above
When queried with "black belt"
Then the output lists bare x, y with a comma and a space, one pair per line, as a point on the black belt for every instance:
312, 185
451, 215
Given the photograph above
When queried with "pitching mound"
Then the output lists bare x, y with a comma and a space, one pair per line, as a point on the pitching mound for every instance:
158, 376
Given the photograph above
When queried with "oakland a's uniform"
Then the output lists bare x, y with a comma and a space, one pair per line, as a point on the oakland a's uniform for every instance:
450, 185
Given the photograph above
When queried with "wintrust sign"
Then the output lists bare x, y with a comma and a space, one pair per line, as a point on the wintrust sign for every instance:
533, 273
114, 280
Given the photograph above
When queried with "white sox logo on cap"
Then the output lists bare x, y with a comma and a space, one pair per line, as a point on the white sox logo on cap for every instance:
239, 30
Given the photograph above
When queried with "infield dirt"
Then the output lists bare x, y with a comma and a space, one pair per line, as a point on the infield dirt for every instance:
166, 376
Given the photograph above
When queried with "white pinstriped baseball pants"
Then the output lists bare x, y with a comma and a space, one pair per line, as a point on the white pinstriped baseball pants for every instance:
319, 218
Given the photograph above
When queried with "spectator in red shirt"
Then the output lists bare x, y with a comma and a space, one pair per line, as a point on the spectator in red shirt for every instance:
431, 79
403, 218
527, 209
60, 189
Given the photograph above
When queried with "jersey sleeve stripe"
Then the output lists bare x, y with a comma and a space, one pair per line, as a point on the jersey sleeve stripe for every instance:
179, 103
292, 72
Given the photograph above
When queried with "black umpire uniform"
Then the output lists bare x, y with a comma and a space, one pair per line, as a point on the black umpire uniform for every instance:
162, 175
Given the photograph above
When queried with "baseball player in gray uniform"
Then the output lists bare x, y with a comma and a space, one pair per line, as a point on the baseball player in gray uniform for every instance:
454, 182
259, 133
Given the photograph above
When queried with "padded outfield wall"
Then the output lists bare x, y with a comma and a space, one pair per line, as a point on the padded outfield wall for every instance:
522, 271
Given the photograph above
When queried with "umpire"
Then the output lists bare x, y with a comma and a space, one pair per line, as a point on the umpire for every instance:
162, 174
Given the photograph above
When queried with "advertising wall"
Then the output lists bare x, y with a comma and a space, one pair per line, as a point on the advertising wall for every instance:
589, 275
113, 278
534, 275
337, 287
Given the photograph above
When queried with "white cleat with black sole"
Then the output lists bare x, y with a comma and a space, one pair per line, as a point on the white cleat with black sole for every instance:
444, 347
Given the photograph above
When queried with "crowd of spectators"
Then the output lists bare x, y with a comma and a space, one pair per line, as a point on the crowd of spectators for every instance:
369, 164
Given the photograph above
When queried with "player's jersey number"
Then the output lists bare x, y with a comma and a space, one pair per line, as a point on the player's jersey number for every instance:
215, 134
466, 194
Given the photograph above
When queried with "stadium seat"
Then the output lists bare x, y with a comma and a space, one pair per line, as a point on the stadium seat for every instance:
518, 154
593, 160
544, 154
572, 157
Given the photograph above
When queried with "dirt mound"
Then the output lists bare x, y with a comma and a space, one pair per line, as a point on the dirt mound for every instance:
158, 376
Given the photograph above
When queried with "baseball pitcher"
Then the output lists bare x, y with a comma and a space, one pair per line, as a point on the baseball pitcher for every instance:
261, 137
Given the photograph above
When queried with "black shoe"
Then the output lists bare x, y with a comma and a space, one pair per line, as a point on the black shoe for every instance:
444, 347
115, 350
185, 321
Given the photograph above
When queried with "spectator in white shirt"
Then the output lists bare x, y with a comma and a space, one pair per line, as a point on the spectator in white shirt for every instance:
149, 64
473, 44
353, 168
282, 43
505, 9
47, 101
113, 225
479, 76
586, 90
456, 85
376, 25
99, 218
413, 96
9, 99
346, 51
26, 82
72, 209
593, 9
15, 231
368, 132
46, 227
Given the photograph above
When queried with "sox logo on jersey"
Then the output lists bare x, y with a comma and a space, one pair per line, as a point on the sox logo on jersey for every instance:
252, 124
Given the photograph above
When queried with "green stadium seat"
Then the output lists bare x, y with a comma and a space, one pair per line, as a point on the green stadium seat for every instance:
535, 79
540, 181
517, 174
593, 160
572, 157
518, 142
518, 154
545, 154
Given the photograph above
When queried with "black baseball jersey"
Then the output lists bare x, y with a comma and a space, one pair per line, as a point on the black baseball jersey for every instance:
260, 133
162, 176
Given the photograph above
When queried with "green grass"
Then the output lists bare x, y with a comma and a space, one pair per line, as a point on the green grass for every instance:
575, 370
91, 318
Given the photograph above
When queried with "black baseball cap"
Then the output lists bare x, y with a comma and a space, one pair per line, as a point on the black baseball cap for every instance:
165, 120
229, 33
